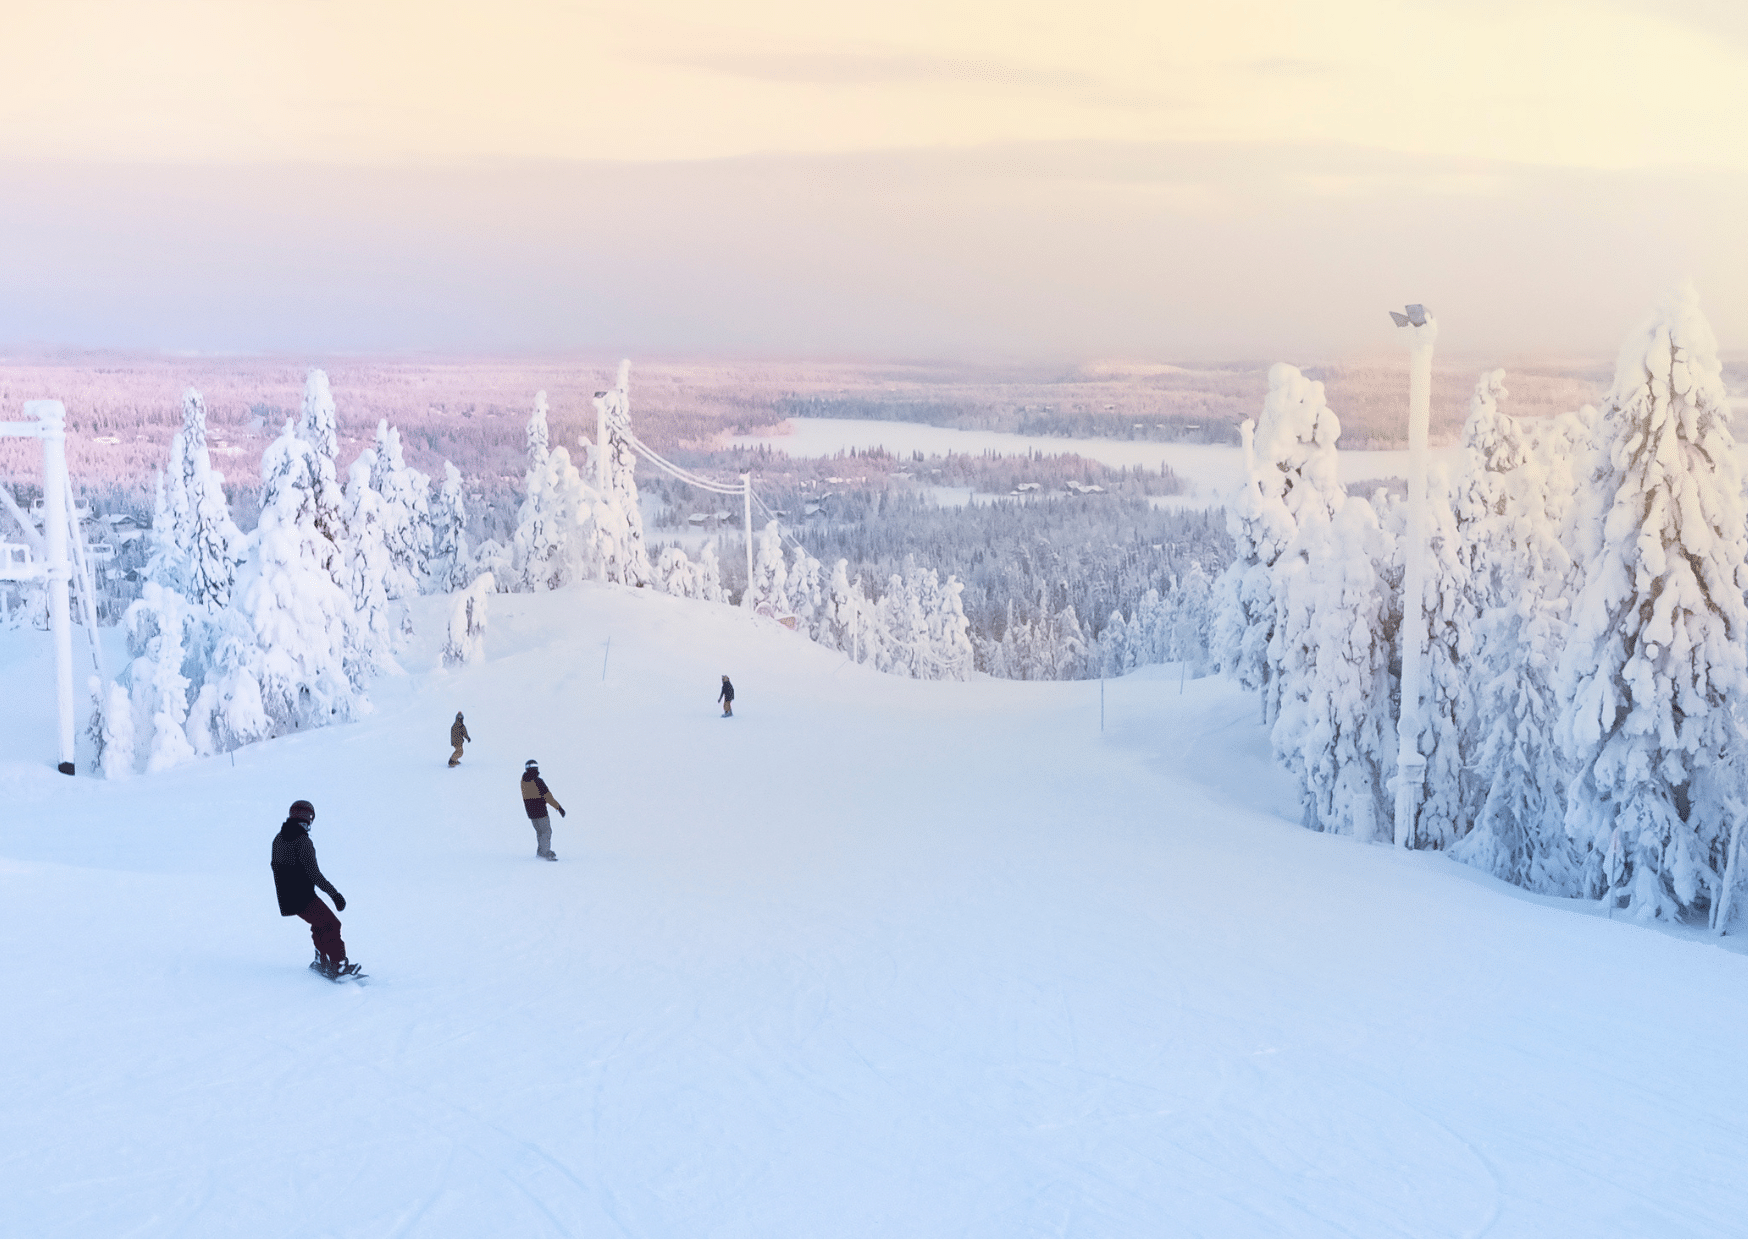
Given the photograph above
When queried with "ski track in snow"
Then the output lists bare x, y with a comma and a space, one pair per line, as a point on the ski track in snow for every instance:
874, 957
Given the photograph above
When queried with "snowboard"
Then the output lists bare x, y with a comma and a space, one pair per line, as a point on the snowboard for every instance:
351, 973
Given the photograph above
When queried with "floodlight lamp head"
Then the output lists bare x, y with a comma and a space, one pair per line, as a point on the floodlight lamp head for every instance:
1401, 320
1415, 316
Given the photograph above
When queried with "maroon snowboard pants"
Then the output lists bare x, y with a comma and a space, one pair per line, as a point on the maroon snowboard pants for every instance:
325, 930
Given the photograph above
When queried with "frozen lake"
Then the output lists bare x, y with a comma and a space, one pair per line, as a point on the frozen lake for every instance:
1209, 471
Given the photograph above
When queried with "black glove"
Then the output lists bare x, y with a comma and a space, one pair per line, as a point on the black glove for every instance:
561, 813
339, 902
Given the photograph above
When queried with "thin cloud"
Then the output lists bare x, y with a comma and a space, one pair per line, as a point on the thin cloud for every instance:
878, 68
1290, 66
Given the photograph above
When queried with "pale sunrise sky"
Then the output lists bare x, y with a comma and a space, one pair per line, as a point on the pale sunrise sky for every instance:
945, 179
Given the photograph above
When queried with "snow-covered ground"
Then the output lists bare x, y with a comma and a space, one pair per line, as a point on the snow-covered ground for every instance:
877, 956
1209, 471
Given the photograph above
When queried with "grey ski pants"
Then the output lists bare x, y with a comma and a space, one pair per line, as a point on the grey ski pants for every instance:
542, 834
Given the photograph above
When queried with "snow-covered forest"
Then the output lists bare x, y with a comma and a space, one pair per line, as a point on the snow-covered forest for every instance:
1583, 625
1583, 617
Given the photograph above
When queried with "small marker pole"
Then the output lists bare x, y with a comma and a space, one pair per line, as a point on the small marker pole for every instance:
1101, 703
604, 655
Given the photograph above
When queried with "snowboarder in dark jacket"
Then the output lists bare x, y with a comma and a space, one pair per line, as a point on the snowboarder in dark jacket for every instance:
458, 737
296, 877
536, 796
726, 697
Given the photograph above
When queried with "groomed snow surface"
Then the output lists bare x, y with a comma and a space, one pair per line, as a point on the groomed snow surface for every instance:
875, 957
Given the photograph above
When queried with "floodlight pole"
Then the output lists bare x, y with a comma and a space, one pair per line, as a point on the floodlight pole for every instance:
746, 483
49, 424
1410, 762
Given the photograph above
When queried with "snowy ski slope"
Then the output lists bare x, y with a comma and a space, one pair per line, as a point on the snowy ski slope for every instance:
876, 957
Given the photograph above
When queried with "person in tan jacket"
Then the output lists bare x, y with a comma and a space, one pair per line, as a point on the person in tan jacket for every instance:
458, 737
536, 796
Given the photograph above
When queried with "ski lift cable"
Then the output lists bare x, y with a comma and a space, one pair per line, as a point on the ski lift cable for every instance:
683, 474
765, 508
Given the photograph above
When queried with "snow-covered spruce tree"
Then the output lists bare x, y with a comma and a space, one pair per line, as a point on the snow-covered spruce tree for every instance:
709, 576
1335, 731
319, 429
449, 557
1112, 646
157, 625
228, 712
803, 593
1290, 468
1190, 617
674, 573
406, 516
296, 617
769, 594
1655, 670
370, 639
212, 547
1449, 617
954, 654
1516, 567
465, 641
116, 753
619, 519
557, 536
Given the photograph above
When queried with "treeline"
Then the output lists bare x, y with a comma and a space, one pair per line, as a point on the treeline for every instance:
1062, 565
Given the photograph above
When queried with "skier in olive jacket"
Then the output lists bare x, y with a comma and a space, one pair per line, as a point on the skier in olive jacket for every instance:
536, 796
457, 736
296, 877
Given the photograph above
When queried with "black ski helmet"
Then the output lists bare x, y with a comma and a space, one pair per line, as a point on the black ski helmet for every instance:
302, 811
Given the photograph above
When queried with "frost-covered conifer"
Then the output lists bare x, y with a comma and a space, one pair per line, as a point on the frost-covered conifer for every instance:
228, 712
319, 429
1335, 729
619, 520
465, 641
116, 753
449, 555
370, 568
769, 592
709, 576
1449, 615
1113, 646
1516, 568
405, 496
675, 574
803, 592
954, 654
1190, 619
196, 547
1290, 467
296, 616
1655, 671
157, 626
557, 527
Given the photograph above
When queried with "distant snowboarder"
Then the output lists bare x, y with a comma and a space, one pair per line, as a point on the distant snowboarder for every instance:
726, 697
296, 877
536, 796
458, 737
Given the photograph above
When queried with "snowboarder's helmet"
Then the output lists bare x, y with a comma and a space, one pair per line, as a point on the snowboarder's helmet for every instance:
530, 765
302, 811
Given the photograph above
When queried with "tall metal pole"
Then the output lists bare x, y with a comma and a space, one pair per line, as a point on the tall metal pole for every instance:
51, 417
601, 444
746, 482
1410, 762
